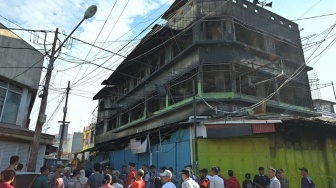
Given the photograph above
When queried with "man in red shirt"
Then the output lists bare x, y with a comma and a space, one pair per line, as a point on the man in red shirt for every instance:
8, 177
139, 183
232, 181
131, 174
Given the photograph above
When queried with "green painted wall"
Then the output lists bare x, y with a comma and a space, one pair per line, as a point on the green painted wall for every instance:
244, 155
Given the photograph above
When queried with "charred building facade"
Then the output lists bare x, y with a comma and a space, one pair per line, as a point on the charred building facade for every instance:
228, 54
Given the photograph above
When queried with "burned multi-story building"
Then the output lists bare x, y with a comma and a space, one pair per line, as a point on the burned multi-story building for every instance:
213, 59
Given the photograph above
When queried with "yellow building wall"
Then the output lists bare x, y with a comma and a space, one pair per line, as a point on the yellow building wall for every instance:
330, 154
86, 135
245, 155
242, 155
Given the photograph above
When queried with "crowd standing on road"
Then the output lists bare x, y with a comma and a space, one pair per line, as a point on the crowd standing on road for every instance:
148, 177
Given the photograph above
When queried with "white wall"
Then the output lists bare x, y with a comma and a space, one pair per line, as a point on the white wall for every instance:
8, 149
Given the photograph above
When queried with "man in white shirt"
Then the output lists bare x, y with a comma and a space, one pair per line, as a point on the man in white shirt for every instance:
188, 182
166, 179
216, 181
275, 183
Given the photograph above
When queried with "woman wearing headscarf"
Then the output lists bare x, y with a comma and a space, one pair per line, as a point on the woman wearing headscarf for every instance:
82, 179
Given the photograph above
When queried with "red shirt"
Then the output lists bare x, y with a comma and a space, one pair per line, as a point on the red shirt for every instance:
129, 177
139, 184
233, 182
5, 185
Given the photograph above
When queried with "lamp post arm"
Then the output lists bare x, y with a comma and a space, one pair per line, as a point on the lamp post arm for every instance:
68, 36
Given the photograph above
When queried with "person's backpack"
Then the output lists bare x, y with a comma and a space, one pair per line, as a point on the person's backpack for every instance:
206, 182
311, 182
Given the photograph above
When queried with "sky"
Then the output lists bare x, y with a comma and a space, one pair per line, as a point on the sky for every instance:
117, 22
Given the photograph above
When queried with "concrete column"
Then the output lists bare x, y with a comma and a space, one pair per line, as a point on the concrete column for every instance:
22, 118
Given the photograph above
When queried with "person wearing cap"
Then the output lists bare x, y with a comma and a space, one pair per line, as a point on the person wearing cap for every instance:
260, 180
42, 180
188, 182
154, 174
75, 181
247, 183
131, 174
57, 174
306, 181
166, 177
173, 179
232, 180
280, 174
189, 167
216, 181
275, 183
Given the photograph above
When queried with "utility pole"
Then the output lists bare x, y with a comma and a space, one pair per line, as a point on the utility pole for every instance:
332, 84
42, 116
65, 109
89, 13
195, 125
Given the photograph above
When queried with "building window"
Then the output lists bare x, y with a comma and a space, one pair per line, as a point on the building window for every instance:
86, 140
137, 111
100, 128
112, 124
10, 99
216, 78
125, 116
101, 105
249, 37
155, 103
182, 87
287, 51
92, 136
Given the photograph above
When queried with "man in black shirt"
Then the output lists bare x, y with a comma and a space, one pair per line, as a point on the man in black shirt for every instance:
260, 180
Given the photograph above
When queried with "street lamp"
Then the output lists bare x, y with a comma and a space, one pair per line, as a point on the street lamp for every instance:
90, 12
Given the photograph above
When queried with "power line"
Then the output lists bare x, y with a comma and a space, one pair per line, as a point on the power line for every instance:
101, 29
314, 17
136, 36
310, 8
22, 67
28, 68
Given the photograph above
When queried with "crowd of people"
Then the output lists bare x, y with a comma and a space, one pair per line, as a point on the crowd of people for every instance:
147, 177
